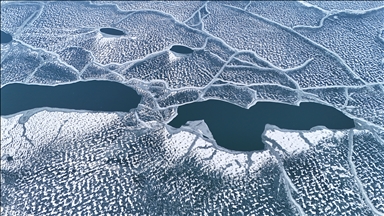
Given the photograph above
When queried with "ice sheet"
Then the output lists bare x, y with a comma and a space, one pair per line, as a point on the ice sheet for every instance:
68, 162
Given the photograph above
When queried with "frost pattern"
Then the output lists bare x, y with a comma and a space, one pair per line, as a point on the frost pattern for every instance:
58, 162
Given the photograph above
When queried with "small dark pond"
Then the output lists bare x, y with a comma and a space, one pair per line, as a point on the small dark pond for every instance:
181, 49
112, 31
239, 129
5, 38
90, 95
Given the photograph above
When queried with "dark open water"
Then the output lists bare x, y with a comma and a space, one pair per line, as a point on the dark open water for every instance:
232, 127
240, 129
5, 37
90, 95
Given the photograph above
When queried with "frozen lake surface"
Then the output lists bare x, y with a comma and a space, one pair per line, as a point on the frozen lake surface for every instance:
65, 161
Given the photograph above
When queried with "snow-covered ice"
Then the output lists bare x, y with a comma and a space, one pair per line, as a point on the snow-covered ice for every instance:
56, 161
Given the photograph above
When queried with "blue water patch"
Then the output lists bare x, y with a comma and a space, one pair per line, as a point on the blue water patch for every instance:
90, 95
5, 37
232, 127
112, 31
240, 129
181, 49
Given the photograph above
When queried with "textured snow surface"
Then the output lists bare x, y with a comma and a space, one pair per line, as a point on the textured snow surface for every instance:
71, 162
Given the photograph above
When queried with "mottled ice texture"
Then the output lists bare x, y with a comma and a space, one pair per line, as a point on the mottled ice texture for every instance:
181, 10
355, 39
347, 5
322, 171
57, 162
100, 162
288, 13
15, 16
94, 163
